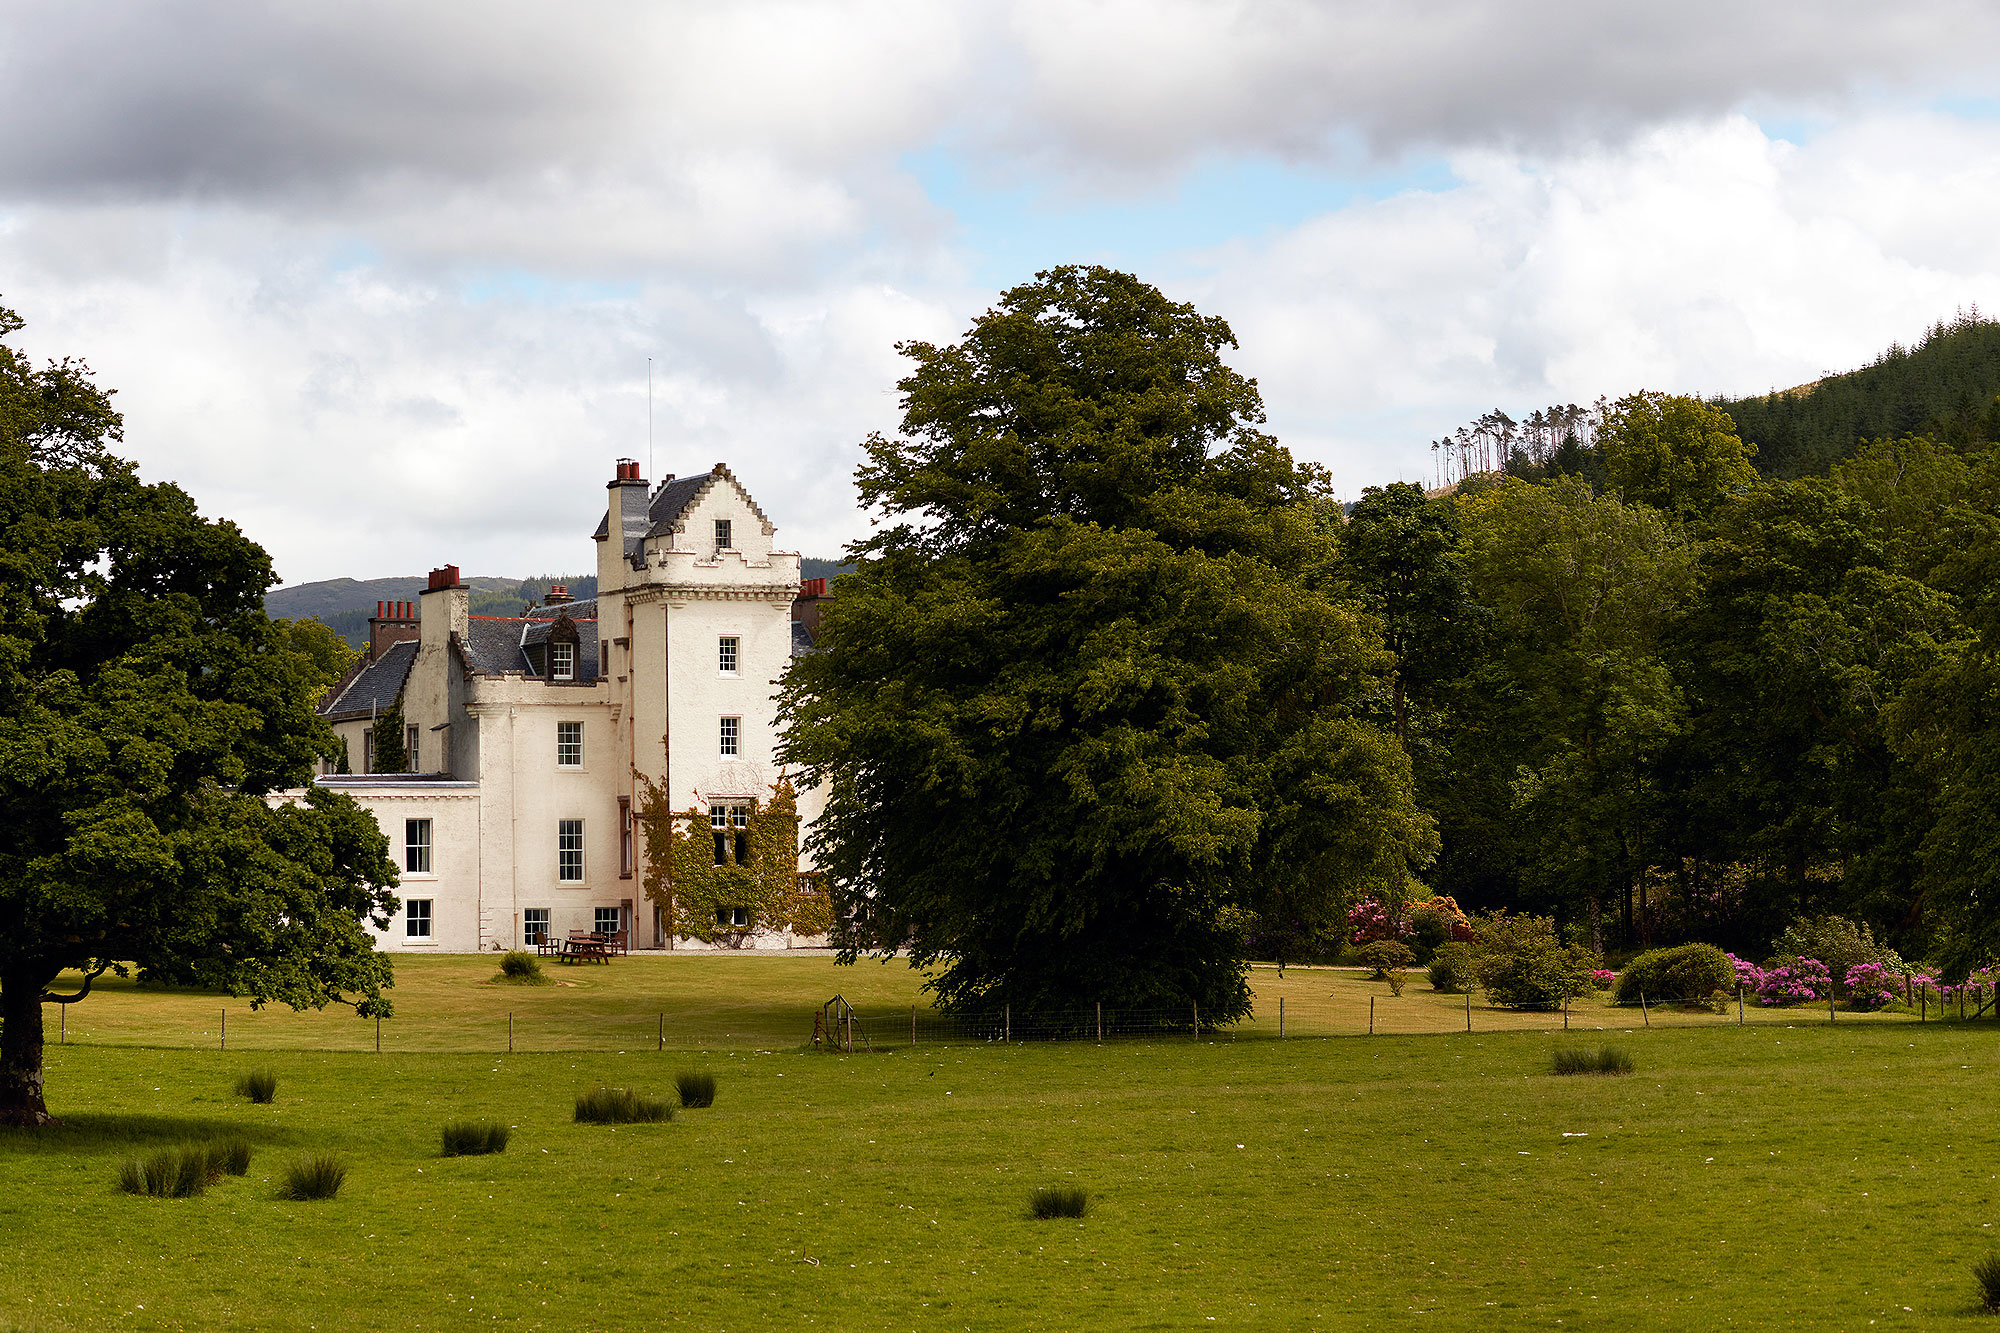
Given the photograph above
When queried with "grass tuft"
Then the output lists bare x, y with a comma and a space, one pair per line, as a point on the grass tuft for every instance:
473, 1138
619, 1106
1578, 1060
519, 965
696, 1088
231, 1156
259, 1085
1058, 1201
170, 1173
315, 1176
1987, 1273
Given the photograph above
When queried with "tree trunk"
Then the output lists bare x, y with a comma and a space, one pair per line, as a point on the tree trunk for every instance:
21, 1051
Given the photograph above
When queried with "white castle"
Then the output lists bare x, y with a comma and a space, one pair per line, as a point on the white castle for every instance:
539, 744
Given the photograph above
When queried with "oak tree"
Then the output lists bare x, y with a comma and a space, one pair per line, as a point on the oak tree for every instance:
147, 709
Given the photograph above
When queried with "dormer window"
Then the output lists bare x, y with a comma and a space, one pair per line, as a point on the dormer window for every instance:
562, 661
722, 538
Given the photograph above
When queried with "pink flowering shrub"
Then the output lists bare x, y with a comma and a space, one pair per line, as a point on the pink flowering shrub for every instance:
1370, 920
1602, 977
1871, 985
1794, 981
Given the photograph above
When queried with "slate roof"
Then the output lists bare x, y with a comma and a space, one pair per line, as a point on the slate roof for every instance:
375, 688
494, 644
802, 639
671, 499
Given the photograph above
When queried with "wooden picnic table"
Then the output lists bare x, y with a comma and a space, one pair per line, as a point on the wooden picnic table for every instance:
585, 947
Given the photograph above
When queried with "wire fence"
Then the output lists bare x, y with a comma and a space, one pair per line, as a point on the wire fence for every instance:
1351, 1009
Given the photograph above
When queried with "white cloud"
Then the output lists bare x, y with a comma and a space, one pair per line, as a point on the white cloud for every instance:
1699, 258
380, 280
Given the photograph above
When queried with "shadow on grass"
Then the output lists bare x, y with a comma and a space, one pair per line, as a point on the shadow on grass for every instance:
87, 1130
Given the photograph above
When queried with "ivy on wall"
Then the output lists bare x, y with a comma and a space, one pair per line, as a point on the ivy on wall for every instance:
688, 882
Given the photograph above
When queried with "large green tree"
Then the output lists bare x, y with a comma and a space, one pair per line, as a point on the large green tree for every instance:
1400, 547
1674, 453
147, 707
1085, 700
1572, 702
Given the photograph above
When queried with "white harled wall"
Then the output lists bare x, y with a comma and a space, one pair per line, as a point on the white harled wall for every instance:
655, 710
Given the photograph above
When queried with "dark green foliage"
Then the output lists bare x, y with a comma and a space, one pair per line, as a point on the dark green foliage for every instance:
259, 1085
1451, 968
170, 1173
1945, 386
1577, 1060
619, 1106
147, 706
472, 1138
1382, 955
1053, 1201
314, 1176
1986, 1272
1087, 699
1692, 974
1522, 963
521, 966
1401, 548
696, 1087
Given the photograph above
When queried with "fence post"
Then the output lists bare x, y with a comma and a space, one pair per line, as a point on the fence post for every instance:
1565, 1013
1642, 1009
1829, 1002
1739, 1006
1007, 1019
1197, 1020
510, 1032
225, 1031
913, 1025
661, 1044
1100, 1021
1371, 1015
1468, 1008
1281, 1017
1923, 1004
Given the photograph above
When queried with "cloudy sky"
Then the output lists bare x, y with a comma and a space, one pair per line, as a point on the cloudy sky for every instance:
380, 281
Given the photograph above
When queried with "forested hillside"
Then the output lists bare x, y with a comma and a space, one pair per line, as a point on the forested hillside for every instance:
1944, 386
1682, 701
344, 605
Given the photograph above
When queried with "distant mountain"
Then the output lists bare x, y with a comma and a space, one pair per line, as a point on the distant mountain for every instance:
344, 605
1944, 386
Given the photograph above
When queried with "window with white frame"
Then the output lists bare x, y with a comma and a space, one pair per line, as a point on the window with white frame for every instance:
726, 654
569, 745
534, 925
607, 921
417, 918
735, 918
368, 750
722, 542
562, 661
729, 824
417, 846
412, 747
731, 726
569, 851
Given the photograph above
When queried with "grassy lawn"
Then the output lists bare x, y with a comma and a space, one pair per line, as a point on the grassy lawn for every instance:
1773, 1175
745, 1001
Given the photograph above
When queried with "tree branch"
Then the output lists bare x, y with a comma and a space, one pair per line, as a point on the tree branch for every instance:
50, 997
